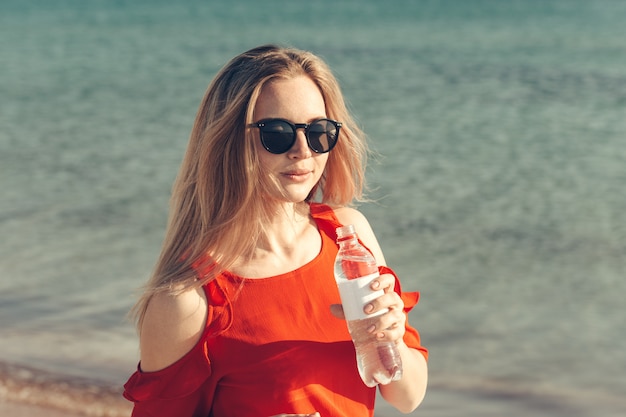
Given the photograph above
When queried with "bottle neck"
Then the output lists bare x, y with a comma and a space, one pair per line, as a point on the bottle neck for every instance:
348, 240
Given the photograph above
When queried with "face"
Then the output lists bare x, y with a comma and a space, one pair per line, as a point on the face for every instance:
296, 171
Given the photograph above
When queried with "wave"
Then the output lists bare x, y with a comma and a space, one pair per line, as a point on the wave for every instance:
68, 393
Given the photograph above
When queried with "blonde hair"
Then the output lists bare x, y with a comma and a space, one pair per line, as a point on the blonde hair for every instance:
217, 209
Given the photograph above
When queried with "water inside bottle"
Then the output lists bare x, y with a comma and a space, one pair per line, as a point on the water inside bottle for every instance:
378, 362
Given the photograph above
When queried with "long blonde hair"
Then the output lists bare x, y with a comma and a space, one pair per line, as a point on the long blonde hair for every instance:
217, 207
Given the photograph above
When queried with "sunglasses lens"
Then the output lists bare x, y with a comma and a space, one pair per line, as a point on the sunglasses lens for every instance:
322, 135
277, 136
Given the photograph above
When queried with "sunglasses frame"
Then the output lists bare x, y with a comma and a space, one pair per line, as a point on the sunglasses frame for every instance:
295, 126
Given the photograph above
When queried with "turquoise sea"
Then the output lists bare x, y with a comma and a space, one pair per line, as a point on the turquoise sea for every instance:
500, 189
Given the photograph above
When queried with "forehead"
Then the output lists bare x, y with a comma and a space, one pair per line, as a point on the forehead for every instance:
297, 99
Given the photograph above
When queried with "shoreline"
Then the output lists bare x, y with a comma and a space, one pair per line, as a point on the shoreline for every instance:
16, 409
29, 391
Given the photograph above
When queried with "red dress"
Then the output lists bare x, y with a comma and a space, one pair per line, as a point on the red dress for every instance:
270, 346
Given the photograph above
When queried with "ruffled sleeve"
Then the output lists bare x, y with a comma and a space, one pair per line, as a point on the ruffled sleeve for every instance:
183, 389
410, 300
180, 390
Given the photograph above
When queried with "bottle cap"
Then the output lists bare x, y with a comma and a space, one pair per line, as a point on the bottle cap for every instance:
345, 231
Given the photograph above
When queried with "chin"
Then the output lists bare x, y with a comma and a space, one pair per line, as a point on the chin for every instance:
296, 194
295, 197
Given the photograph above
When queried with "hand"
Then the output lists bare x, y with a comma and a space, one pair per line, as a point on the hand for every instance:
391, 325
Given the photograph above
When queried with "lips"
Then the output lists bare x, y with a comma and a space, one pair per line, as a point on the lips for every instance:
297, 174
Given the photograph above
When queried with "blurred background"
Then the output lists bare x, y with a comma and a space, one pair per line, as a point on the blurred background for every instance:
498, 191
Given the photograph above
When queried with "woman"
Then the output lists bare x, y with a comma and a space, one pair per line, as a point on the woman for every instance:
240, 317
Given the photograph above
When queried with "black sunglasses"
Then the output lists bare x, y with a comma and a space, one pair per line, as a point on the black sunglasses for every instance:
279, 135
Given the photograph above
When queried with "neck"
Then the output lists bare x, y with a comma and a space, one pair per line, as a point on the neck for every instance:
288, 240
284, 227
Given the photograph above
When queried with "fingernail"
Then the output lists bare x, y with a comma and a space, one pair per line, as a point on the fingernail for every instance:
371, 329
380, 335
369, 308
375, 285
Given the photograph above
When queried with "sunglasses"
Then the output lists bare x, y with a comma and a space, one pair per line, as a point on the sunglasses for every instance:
279, 135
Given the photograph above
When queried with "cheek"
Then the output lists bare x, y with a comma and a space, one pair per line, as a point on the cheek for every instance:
267, 161
263, 157
321, 161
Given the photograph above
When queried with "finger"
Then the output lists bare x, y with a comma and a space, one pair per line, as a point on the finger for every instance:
388, 301
392, 334
390, 326
337, 311
385, 282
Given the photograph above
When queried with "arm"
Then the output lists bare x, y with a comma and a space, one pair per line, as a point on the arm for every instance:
407, 393
171, 327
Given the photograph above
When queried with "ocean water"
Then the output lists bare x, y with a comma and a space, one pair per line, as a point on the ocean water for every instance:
499, 192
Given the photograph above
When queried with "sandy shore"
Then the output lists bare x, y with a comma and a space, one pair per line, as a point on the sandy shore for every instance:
26, 391
11, 409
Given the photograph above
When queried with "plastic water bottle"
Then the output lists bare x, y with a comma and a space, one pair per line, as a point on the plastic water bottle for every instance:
379, 362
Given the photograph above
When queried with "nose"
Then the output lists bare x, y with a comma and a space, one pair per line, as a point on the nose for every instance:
300, 149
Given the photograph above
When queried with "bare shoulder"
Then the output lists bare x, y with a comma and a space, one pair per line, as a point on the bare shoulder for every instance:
349, 215
171, 327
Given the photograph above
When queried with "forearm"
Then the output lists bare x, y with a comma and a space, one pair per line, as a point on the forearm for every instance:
407, 393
